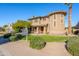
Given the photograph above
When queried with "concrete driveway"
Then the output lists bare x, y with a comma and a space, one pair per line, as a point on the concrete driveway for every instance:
21, 48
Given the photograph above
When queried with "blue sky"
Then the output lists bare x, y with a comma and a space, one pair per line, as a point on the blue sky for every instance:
10, 13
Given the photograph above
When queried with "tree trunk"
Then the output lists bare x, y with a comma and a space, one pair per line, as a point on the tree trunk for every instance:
69, 20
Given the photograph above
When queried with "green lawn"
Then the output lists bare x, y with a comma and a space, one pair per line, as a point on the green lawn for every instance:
49, 38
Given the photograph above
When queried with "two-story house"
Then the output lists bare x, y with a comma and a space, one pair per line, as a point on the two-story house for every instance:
53, 23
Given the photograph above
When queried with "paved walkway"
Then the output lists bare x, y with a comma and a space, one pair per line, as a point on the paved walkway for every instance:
4, 52
21, 48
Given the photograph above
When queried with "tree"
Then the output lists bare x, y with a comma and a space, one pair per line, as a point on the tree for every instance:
69, 18
2, 29
5, 26
20, 24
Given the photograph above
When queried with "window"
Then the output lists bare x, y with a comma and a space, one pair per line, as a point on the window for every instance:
61, 20
54, 23
54, 16
36, 20
61, 15
40, 18
44, 19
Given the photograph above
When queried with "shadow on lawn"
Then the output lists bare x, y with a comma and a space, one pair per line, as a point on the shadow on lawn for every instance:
3, 40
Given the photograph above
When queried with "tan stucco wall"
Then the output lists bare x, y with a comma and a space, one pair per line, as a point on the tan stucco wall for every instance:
59, 27
39, 22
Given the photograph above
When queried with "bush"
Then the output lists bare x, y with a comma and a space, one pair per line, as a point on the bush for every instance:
36, 42
24, 38
7, 35
73, 45
13, 38
16, 37
19, 36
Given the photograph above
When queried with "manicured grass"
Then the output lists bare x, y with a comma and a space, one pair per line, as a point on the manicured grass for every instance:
49, 38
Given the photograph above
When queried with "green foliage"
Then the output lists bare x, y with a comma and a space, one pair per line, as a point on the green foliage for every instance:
20, 24
24, 38
7, 35
13, 38
19, 36
36, 42
39, 42
2, 29
5, 26
73, 45
16, 37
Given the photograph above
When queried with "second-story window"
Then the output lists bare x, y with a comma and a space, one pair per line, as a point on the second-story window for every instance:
54, 16
54, 23
36, 20
39, 20
61, 20
61, 15
44, 19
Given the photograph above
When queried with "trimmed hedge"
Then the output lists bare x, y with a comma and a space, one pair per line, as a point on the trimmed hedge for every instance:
16, 37
19, 36
37, 42
73, 45
13, 38
7, 35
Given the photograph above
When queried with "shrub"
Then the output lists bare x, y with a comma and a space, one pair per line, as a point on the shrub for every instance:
7, 35
36, 42
16, 37
19, 36
13, 38
73, 45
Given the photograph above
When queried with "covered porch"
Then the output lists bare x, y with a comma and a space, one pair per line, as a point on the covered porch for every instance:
39, 29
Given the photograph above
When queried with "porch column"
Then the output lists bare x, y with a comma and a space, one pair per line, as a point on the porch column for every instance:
31, 29
37, 30
34, 30
44, 30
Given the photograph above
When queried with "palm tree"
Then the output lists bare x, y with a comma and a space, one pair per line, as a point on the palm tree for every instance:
69, 18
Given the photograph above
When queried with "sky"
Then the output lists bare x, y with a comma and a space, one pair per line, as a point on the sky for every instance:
11, 12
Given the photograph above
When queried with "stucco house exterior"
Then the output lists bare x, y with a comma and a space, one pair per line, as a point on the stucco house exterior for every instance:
9, 28
53, 23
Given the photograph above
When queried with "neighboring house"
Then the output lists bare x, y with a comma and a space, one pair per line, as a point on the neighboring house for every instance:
1, 29
9, 29
50, 24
